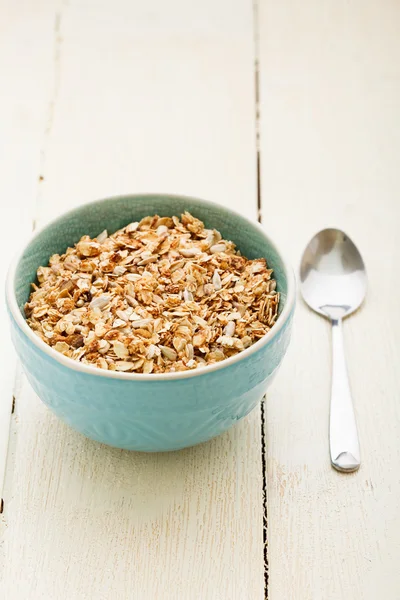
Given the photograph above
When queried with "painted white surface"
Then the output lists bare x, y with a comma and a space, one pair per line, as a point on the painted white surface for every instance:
22, 90
137, 97
101, 98
330, 150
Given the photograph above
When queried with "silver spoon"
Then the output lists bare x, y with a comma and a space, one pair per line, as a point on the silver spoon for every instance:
334, 284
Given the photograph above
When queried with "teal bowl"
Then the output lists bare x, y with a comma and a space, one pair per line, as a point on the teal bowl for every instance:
154, 412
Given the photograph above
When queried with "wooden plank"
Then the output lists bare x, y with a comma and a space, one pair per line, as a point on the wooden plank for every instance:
21, 127
330, 150
142, 98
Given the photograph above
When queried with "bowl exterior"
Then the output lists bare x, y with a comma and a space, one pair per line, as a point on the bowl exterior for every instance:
155, 415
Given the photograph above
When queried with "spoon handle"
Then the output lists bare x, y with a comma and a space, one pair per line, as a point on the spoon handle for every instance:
344, 447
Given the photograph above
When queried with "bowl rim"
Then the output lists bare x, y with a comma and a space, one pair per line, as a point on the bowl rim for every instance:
74, 365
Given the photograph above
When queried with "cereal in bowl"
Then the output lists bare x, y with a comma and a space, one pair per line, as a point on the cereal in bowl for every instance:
161, 295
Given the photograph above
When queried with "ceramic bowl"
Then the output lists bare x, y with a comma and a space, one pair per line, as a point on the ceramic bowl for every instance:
154, 412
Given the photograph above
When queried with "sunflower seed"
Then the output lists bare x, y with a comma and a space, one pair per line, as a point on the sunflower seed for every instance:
189, 252
217, 248
230, 329
168, 353
120, 350
216, 281
131, 227
140, 323
118, 323
187, 296
100, 301
122, 365
102, 236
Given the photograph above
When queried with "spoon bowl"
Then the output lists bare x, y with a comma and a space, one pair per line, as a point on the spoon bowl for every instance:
332, 274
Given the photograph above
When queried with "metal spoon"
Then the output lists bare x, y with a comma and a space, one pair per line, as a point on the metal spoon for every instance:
334, 283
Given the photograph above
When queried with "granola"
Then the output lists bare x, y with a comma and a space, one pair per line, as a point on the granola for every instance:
160, 295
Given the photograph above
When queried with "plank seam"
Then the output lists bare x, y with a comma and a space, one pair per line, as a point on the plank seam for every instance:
259, 218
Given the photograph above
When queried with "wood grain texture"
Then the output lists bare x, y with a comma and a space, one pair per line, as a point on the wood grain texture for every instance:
139, 97
21, 126
330, 150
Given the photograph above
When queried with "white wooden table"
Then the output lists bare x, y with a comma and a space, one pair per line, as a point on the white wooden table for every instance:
99, 98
